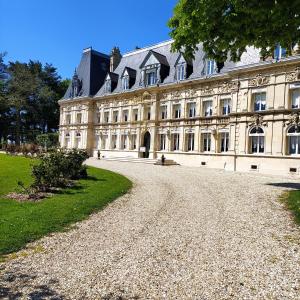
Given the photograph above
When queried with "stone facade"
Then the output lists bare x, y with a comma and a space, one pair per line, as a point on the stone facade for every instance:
243, 119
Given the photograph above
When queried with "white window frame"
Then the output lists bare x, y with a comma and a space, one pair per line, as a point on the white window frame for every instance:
175, 141
206, 141
125, 115
207, 108
133, 141
293, 135
258, 138
116, 116
191, 109
106, 116
257, 100
225, 106
114, 138
224, 135
163, 112
125, 83
176, 111
162, 142
190, 138
180, 71
210, 67
124, 142
295, 103
151, 80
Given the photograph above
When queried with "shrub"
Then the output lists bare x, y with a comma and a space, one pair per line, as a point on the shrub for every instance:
57, 167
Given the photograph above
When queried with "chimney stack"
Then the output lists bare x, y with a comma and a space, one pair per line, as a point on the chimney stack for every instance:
115, 58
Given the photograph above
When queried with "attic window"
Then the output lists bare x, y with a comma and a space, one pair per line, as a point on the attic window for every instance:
210, 67
125, 82
151, 77
107, 86
180, 72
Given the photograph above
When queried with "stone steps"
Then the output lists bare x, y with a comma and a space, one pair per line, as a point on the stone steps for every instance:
168, 162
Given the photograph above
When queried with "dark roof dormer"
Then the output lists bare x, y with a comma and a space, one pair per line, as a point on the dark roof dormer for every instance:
128, 78
154, 69
111, 82
183, 68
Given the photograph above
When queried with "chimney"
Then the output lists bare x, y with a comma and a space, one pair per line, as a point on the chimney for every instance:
115, 58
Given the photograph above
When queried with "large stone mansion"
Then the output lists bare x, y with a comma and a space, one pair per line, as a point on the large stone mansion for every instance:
151, 101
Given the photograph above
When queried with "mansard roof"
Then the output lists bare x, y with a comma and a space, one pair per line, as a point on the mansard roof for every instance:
130, 72
91, 71
94, 67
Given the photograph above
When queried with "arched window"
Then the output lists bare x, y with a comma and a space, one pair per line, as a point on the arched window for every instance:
257, 140
78, 135
67, 135
293, 135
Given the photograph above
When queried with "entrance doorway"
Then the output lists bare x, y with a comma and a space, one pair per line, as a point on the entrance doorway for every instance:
147, 140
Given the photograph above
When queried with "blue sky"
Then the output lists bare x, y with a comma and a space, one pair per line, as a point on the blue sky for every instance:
56, 31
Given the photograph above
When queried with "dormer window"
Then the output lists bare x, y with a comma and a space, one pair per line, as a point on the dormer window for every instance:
279, 52
107, 87
151, 77
210, 67
180, 72
125, 83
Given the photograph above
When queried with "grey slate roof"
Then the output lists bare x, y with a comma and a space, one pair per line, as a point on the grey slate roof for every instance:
133, 61
91, 71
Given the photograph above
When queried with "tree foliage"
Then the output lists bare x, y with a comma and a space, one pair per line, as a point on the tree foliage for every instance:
229, 26
29, 100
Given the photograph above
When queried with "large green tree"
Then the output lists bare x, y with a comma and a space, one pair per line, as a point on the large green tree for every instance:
227, 27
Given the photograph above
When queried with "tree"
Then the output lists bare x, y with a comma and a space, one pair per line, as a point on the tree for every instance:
227, 27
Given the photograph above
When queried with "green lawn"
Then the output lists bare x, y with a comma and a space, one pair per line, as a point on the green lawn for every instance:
292, 201
21, 223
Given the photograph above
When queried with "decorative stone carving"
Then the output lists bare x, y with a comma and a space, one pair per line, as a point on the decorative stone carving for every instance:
259, 80
257, 120
191, 93
176, 94
228, 87
207, 91
294, 119
293, 76
146, 96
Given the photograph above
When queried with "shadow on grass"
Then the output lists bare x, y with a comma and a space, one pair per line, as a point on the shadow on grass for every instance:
288, 185
11, 286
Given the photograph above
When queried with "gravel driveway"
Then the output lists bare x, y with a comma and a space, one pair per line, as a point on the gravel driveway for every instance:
181, 233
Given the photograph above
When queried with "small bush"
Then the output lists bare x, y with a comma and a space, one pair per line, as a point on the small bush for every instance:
58, 167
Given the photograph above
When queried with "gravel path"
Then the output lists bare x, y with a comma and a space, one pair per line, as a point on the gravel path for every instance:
181, 233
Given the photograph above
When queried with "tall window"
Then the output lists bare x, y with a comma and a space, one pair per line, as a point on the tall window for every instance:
151, 77
77, 140
162, 142
163, 112
125, 83
98, 117
257, 140
293, 136
68, 119
114, 141
180, 70
259, 101
124, 141
133, 142
279, 52
116, 116
104, 141
67, 140
106, 116
295, 98
190, 142
210, 67
192, 110
79, 118
225, 106
175, 141
207, 108
177, 111
224, 141
125, 115
136, 114
206, 142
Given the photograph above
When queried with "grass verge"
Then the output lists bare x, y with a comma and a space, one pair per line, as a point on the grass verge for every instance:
21, 223
292, 202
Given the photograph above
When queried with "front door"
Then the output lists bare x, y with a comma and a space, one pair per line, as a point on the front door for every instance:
147, 139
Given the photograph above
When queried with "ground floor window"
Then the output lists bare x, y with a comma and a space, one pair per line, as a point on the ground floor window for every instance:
67, 140
114, 141
175, 141
124, 141
77, 140
104, 141
133, 142
190, 142
162, 142
206, 142
257, 140
293, 136
224, 141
